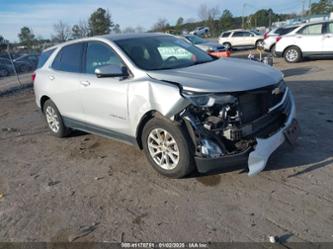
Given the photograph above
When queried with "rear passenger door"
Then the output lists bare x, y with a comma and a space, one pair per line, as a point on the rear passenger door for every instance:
64, 81
310, 38
237, 39
328, 39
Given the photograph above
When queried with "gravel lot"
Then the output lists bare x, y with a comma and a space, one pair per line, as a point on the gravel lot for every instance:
88, 188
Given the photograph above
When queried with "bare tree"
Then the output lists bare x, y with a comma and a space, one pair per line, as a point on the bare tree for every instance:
160, 25
203, 12
80, 30
129, 30
214, 13
62, 32
139, 29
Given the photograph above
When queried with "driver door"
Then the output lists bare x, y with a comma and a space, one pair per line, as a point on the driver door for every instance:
104, 100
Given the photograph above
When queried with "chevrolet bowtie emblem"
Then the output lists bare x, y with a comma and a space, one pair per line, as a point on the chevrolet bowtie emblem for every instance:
276, 91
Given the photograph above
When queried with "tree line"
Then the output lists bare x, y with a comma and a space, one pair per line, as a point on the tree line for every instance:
220, 20
100, 23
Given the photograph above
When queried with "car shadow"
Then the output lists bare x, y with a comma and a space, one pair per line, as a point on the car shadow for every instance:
296, 71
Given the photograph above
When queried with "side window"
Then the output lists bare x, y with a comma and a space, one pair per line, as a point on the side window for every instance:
100, 54
247, 34
44, 57
312, 30
330, 27
226, 34
237, 34
69, 59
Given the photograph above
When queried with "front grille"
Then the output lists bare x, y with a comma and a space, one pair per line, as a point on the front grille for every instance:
256, 103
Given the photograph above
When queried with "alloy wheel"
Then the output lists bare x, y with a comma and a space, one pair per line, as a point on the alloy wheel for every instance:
52, 119
292, 55
163, 149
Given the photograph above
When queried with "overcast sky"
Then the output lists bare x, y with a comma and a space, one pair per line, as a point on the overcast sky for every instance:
40, 15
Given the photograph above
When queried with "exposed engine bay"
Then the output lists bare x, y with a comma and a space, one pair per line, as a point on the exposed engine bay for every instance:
229, 124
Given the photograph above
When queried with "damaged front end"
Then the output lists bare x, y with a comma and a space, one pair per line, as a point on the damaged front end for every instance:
238, 128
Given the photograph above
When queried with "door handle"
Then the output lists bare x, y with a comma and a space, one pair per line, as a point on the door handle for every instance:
299, 37
85, 83
51, 77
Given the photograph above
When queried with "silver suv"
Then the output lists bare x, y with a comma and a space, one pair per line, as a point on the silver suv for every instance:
185, 109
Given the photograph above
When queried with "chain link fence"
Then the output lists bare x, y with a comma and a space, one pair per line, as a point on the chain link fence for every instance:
17, 65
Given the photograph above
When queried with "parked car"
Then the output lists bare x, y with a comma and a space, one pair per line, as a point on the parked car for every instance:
183, 108
200, 31
308, 40
241, 38
274, 35
31, 59
20, 66
5, 70
212, 48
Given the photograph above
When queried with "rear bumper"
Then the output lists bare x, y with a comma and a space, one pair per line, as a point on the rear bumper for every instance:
255, 157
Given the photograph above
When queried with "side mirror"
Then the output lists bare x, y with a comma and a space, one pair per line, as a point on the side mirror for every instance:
111, 71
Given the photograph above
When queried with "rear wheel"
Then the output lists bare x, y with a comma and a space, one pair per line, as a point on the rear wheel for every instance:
4, 72
167, 148
54, 120
293, 55
260, 44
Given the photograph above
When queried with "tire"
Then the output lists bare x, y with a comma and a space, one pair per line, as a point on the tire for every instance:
273, 51
259, 44
54, 120
227, 46
292, 55
4, 72
25, 69
178, 142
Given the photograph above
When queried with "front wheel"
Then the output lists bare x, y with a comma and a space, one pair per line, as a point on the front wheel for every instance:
292, 55
168, 148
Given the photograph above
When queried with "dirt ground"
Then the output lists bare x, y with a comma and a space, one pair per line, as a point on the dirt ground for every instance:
88, 188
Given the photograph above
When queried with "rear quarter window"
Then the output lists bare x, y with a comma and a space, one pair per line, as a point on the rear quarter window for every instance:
315, 29
69, 58
44, 57
226, 34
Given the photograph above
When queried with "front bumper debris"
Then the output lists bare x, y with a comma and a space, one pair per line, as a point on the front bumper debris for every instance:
255, 157
265, 147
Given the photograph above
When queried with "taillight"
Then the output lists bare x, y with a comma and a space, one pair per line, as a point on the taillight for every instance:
265, 35
278, 38
33, 77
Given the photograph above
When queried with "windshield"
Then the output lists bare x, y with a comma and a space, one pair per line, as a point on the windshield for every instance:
162, 52
195, 39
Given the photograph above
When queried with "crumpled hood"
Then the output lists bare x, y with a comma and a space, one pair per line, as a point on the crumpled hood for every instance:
224, 75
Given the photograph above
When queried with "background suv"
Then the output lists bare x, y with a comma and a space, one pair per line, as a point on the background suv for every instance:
240, 38
308, 40
169, 98
270, 38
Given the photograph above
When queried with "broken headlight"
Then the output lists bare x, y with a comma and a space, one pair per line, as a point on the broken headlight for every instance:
208, 99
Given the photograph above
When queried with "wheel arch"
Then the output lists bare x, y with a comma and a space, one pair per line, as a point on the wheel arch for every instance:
272, 46
290, 46
43, 99
143, 121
